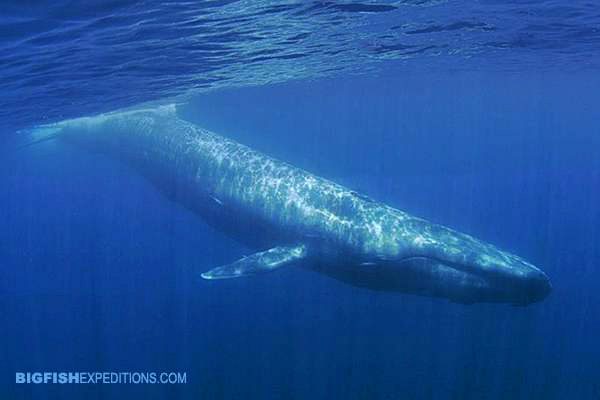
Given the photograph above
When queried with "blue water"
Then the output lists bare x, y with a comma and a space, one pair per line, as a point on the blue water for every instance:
482, 116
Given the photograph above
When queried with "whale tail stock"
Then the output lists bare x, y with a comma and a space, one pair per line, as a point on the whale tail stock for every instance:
47, 132
257, 263
39, 134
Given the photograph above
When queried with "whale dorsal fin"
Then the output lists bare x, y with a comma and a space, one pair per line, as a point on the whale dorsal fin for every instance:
258, 263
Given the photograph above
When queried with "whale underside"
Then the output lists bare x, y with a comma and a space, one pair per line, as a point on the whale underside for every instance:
296, 219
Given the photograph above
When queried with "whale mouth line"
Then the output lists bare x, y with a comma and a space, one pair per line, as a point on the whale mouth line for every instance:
521, 289
466, 271
463, 268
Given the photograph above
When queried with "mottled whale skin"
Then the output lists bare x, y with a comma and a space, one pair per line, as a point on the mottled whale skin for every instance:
294, 218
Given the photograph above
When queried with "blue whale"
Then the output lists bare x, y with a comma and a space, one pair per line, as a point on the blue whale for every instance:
294, 218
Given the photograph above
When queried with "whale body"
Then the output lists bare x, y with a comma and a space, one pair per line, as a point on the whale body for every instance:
294, 218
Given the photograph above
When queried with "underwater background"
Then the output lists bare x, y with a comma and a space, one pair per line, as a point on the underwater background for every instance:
483, 116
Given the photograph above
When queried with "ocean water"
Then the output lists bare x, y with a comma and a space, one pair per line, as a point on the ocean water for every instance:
482, 116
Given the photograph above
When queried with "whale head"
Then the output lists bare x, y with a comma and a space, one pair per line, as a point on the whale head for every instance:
411, 255
467, 270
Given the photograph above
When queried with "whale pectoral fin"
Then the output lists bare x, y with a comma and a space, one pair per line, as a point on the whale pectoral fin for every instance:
258, 263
